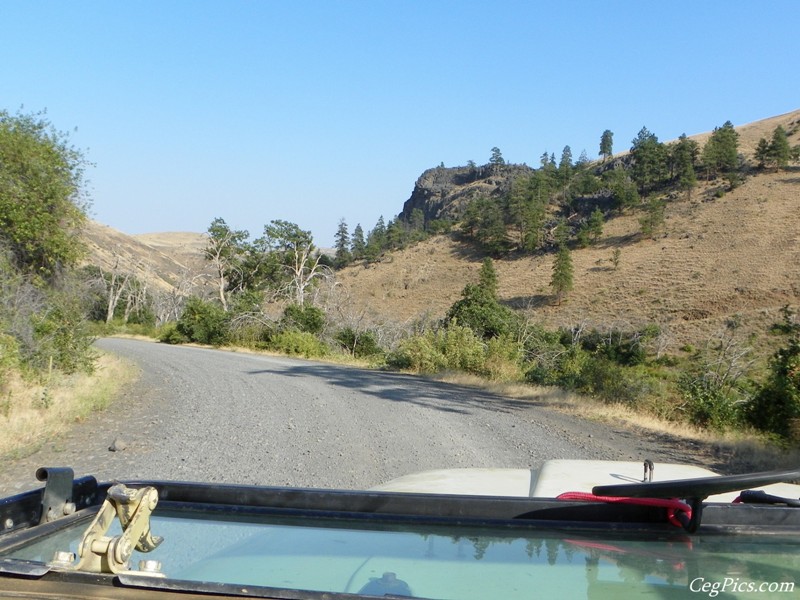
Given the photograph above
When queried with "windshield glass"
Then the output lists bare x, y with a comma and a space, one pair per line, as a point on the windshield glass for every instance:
433, 561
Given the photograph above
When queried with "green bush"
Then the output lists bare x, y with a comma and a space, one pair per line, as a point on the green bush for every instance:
708, 405
203, 322
419, 354
62, 337
169, 334
776, 407
479, 310
460, 348
305, 318
298, 343
502, 359
360, 345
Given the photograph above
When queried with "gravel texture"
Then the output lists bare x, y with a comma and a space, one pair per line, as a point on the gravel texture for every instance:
198, 414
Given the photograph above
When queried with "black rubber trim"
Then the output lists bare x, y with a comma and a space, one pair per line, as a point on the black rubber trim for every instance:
702, 487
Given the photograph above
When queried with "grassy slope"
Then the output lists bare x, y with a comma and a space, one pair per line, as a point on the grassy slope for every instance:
715, 258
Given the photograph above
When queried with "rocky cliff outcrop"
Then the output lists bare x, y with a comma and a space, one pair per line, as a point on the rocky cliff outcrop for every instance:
444, 193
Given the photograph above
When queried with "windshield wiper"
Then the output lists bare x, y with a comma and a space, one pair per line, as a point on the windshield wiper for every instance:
694, 491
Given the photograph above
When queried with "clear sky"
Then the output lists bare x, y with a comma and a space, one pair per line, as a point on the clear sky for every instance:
313, 111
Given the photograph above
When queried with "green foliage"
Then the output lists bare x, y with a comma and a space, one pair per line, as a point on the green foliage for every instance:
653, 218
649, 168
479, 310
203, 322
776, 152
418, 354
502, 359
454, 347
720, 154
304, 318
496, 158
606, 144
622, 188
591, 229
359, 344
708, 404
342, 244
484, 222
358, 244
9, 359
41, 206
683, 156
298, 343
169, 334
62, 338
776, 407
562, 278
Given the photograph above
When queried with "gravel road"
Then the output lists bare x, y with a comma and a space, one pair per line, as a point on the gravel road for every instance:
208, 415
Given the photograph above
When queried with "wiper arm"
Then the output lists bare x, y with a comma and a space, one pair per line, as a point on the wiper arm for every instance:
696, 490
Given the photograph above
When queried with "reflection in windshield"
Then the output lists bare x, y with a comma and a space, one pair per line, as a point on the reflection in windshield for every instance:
443, 562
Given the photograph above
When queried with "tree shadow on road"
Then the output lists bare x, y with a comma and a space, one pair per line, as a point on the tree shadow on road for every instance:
400, 387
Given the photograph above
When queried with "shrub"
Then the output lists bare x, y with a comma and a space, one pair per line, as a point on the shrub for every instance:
62, 337
298, 343
203, 322
418, 354
460, 348
169, 334
707, 404
776, 407
360, 345
305, 318
502, 359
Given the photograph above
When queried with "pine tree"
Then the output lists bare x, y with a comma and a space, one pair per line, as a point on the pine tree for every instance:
358, 244
488, 278
649, 160
342, 238
721, 153
562, 279
683, 157
779, 149
606, 144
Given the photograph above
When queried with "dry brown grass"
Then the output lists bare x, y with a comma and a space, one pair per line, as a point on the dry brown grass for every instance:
715, 258
32, 413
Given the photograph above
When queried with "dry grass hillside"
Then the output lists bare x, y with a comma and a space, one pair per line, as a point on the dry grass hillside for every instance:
738, 255
163, 259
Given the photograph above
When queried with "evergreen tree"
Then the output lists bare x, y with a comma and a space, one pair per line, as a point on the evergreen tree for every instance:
762, 152
565, 167
376, 240
721, 152
595, 224
683, 156
358, 245
496, 159
487, 278
342, 238
623, 189
562, 279
649, 160
779, 149
606, 144
653, 217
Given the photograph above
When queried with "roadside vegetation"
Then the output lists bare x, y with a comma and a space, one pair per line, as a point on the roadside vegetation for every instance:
277, 292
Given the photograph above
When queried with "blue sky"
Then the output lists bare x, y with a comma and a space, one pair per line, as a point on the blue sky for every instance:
313, 111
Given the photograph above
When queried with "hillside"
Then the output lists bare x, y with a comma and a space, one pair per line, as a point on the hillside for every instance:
738, 255
162, 259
